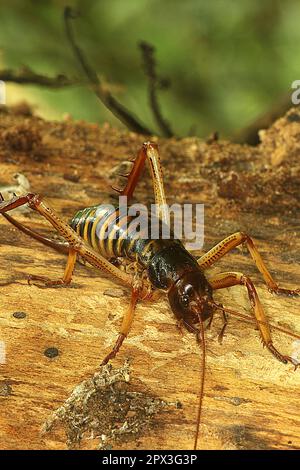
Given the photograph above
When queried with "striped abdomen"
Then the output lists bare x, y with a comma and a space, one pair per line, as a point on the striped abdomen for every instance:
114, 234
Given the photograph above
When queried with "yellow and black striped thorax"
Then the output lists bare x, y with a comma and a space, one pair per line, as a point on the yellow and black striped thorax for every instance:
116, 234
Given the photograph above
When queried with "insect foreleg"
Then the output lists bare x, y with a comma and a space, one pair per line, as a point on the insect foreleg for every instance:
225, 323
230, 279
234, 240
125, 327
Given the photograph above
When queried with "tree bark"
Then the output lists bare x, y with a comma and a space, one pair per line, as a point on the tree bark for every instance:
251, 401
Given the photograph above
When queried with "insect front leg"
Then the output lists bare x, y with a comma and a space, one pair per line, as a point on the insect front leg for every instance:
224, 326
65, 280
225, 323
230, 279
141, 290
125, 327
234, 240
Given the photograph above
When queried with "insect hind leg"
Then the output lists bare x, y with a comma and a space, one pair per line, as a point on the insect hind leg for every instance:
230, 279
234, 240
149, 151
74, 240
61, 247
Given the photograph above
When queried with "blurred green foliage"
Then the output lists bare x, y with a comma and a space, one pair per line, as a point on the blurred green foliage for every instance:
228, 61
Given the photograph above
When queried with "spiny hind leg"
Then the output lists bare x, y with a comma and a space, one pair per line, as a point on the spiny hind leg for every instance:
148, 151
153, 157
75, 241
61, 247
64, 281
133, 176
229, 279
234, 240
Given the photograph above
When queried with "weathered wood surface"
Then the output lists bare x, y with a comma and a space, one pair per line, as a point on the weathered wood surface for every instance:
251, 400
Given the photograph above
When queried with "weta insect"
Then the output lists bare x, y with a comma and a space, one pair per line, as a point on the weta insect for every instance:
161, 264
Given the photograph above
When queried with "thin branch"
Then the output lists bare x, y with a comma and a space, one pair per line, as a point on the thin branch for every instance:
154, 83
25, 76
116, 108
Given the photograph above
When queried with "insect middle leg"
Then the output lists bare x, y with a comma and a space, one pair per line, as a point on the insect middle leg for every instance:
65, 280
229, 279
75, 241
234, 240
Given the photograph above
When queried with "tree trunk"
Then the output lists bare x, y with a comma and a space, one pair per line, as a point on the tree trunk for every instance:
251, 401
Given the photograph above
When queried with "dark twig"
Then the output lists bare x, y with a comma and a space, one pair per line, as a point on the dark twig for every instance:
154, 83
116, 108
25, 76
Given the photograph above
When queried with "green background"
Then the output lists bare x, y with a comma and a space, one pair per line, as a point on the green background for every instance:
228, 61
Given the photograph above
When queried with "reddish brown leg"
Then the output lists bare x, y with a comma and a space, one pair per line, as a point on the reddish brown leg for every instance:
230, 279
66, 279
133, 175
233, 241
79, 247
225, 322
148, 151
222, 332
61, 247
75, 241
125, 328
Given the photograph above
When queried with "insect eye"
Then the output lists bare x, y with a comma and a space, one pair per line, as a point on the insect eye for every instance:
184, 300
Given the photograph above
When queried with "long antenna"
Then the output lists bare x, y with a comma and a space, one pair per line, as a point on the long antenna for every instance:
248, 318
202, 377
